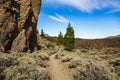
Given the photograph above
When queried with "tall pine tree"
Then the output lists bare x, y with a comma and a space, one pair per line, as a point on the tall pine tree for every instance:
69, 38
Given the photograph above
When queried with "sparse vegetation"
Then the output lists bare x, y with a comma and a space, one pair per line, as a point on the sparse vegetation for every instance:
95, 71
25, 72
90, 64
97, 43
93, 64
24, 66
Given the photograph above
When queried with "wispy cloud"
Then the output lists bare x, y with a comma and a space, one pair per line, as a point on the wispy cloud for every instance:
89, 5
113, 11
59, 18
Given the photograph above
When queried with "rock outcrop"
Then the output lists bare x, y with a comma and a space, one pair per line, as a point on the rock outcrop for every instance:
18, 20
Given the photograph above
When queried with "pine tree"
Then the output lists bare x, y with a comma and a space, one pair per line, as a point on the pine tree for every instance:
42, 32
69, 38
60, 38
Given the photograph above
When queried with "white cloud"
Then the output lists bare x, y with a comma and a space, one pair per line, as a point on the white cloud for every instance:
56, 19
59, 18
62, 18
88, 5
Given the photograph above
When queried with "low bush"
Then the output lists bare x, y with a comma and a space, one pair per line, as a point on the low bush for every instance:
66, 59
41, 55
25, 72
116, 64
74, 64
84, 50
111, 50
95, 71
93, 64
24, 66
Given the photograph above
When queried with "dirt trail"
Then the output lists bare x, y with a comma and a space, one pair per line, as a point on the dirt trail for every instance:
58, 70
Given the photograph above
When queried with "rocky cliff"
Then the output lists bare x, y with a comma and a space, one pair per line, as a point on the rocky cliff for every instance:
18, 20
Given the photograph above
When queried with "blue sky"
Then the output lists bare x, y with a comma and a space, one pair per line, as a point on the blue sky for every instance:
89, 18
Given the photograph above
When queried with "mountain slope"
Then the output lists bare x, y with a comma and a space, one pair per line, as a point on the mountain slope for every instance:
117, 36
93, 43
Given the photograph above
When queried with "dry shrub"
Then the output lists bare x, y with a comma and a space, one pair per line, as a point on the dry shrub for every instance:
6, 61
94, 64
25, 72
116, 64
67, 58
95, 71
24, 66
84, 50
41, 55
111, 50
61, 54
74, 64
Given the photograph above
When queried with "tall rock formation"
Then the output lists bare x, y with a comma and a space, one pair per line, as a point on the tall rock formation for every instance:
18, 20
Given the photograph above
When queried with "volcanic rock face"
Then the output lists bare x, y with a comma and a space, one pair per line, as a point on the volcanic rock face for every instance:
18, 20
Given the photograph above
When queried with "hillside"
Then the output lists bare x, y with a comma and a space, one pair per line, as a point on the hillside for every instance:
117, 36
93, 43
97, 43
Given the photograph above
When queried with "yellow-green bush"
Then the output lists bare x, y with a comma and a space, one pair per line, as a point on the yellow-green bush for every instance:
26, 60
95, 71
25, 72
84, 50
24, 66
93, 64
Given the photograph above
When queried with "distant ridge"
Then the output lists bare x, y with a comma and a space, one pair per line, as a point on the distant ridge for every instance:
107, 42
113, 36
